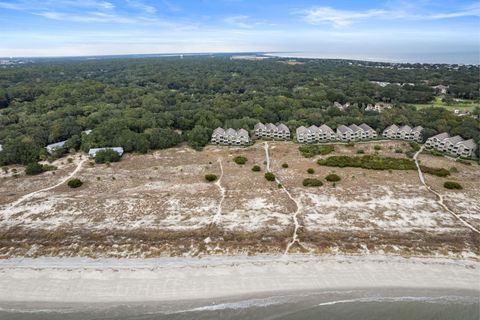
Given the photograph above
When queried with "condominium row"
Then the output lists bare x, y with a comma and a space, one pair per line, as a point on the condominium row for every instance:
456, 145
230, 136
271, 131
343, 133
403, 133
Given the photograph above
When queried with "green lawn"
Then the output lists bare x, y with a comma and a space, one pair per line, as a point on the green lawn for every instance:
467, 105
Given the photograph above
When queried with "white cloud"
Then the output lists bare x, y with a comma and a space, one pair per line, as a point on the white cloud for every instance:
240, 21
343, 18
141, 6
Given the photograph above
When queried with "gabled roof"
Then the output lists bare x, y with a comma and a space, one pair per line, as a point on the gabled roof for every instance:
271, 127
259, 126
282, 127
441, 136
354, 128
231, 132
325, 128
313, 129
365, 127
301, 130
405, 128
417, 129
454, 140
242, 133
468, 143
392, 127
344, 129
219, 131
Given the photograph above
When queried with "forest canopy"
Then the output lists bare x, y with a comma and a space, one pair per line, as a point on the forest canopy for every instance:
155, 103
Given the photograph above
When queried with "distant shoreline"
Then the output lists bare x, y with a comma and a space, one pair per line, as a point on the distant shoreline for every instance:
176, 279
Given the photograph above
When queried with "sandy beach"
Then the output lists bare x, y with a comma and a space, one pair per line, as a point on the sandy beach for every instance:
169, 279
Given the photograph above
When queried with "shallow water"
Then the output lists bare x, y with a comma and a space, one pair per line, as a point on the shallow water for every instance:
366, 304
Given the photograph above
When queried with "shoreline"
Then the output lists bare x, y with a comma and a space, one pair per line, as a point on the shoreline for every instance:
177, 279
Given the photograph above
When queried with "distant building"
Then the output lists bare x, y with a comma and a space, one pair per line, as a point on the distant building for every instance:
453, 145
230, 136
369, 133
441, 89
341, 106
55, 146
315, 134
93, 152
378, 107
87, 132
272, 131
403, 133
344, 133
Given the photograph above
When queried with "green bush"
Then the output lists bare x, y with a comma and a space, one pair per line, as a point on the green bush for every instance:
350, 144
415, 146
256, 168
468, 163
33, 169
377, 147
310, 170
333, 178
439, 172
74, 183
310, 150
240, 160
309, 182
360, 151
436, 153
107, 156
454, 170
368, 162
285, 165
452, 185
269, 176
398, 151
210, 177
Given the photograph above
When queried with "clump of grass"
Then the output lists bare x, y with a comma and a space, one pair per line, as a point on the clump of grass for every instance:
377, 147
368, 162
269, 176
439, 172
360, 151
309, 182
74, 183
210, 177
285, 165
256, 168
240, 160
452, 185
310, 171
333, 178
309, 151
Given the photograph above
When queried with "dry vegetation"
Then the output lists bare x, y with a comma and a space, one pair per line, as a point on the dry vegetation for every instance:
160, 204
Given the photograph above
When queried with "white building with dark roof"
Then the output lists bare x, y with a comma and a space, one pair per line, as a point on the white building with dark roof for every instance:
369, 133
403, 133
272, 131
456, 145
230, 137
344, 133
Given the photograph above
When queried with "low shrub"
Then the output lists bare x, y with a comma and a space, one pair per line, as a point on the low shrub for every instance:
368, 162
360, 151
309, 182
269, 176
398, 151
310, 170
439, 172
436, 153
285, 165
454, 170
310, 150
350, 144
468, 163
377, 147
452, 185
256, 168
74, 183
33, 169
415, 146
210, 177
107, 156
333, 178
240, 160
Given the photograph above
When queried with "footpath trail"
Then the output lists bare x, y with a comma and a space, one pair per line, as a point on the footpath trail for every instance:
31, 194
439, 196
218, 183
297, 204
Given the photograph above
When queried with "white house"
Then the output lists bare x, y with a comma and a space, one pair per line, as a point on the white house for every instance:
55, 146
456, 145
369, 133
403, 133
230, 136
390, 132
344, 133
93, 152
272, 131
357, 132
378, 107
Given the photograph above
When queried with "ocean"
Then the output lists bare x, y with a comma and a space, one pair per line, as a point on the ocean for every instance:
358, 304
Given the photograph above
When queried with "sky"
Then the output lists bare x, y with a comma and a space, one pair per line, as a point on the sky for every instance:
370, 29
